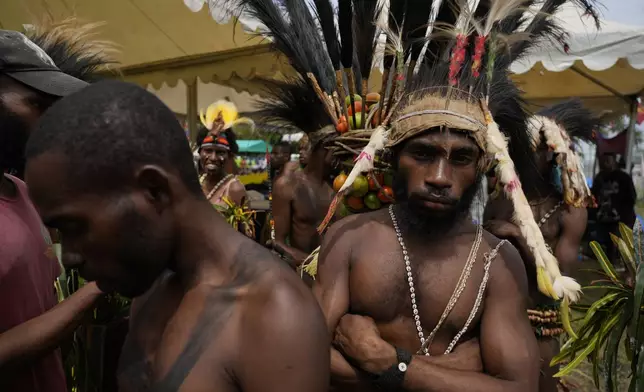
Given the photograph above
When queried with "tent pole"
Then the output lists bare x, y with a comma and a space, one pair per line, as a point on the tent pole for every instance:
601, 84
630, 137
191, 111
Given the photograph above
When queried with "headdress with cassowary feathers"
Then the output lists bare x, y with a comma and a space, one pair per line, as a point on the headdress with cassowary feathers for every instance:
558, 126
71, 46
452, 74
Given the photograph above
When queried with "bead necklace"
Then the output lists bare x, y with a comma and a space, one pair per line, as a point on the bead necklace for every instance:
460, 285
549, 213
217, 186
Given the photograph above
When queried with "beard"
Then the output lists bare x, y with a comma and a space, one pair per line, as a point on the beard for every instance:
14, 133
417, 219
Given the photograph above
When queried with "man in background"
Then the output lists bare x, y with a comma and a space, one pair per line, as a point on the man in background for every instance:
281, 161
304, 150
615, 194
301, 199
29, 83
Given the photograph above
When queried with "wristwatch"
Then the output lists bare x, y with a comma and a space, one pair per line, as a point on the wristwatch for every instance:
393, 377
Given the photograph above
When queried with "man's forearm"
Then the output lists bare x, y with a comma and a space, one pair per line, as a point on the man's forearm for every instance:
442, 373
28, 341
344, 375
423, 375
293, 256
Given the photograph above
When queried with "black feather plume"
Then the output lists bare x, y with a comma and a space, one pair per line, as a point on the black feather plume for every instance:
543, 26
366, 13
345, 21
571, 115
326, 19
294, 33
437, 47
291, 105
415, 26
306, 34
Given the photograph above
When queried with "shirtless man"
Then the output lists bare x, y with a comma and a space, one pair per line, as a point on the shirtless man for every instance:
110, 167
305, 151
562, 226
365, 293
215, 154
301, 199
281, 161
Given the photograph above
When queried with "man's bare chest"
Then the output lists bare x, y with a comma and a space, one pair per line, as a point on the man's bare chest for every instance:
379, 288
311, 202
182, 348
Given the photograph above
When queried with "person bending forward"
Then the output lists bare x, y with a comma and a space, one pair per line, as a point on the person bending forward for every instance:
110, 168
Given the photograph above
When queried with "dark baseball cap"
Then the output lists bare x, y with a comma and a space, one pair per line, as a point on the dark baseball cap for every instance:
26, 62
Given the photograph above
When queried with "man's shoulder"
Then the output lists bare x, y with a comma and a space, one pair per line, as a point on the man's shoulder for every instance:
279, 300
361, 222
507, 258
286, 179
505, 252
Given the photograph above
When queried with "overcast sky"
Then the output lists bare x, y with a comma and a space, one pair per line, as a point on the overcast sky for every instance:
624, 11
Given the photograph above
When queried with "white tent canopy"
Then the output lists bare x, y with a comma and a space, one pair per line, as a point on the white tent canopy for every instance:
597, 50
604, 67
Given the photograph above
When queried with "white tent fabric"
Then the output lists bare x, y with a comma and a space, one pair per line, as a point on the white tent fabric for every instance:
598, 50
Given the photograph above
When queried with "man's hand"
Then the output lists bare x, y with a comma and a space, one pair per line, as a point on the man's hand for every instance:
502, 229
358, 339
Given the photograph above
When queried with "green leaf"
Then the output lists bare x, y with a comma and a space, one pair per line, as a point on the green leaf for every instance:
627, 234
636, 330
607, 288
604, 262
603, 301
626, 253
638, 241
579, 358
639, 375
612, 347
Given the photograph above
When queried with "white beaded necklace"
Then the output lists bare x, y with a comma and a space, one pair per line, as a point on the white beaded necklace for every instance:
460, 286
217, 186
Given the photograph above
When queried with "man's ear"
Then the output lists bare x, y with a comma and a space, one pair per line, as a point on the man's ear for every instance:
154, 182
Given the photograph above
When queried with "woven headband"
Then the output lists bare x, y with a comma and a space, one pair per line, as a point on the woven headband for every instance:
447, 112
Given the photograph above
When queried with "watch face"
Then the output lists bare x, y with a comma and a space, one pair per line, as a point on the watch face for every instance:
402, 367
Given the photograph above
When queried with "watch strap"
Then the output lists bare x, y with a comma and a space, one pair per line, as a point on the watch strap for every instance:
393, 377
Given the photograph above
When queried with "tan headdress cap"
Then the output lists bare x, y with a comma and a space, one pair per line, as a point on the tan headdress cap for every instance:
436, 111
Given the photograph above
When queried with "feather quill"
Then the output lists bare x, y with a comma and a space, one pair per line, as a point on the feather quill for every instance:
366, 14
396, 19
418, 12
345, 20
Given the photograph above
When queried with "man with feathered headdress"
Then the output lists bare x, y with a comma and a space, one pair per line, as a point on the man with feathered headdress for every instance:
300, 199
558, 200
35, 71
444, 114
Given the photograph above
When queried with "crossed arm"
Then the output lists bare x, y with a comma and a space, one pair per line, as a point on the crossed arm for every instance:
508, 347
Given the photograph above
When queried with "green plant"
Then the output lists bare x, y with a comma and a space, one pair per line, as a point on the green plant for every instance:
614, 318
84, 354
